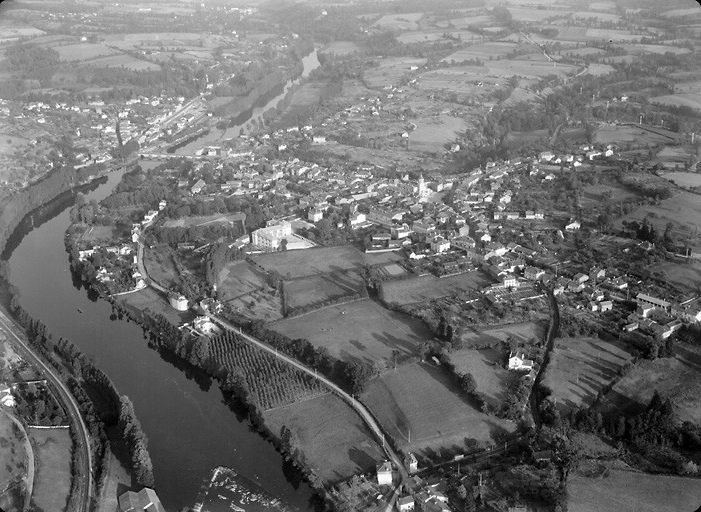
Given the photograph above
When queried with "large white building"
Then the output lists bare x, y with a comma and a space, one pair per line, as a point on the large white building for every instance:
271, 237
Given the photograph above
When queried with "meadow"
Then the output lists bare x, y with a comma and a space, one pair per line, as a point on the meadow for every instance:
420, 289
52, 480
316, 289
487, 367
493, 336
292, 264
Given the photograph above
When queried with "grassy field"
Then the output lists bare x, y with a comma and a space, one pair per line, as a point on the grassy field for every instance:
361, 330
580, 367
117, 480
627, 491
432, 134
614, 134
492, 337
482, 51
391, 70
487, 367
160, 265
245, 287
150, 299
681, 274
98, 233
409, 291
684, 179
340, 48
13, 461
679, 100
335, 441
83, 51
419, 400
204, 220
122, 61
315, 289
52, 481
678, 378
292, 264
404, 21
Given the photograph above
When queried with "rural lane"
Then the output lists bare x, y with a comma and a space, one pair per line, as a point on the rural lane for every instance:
66, 398
357, 405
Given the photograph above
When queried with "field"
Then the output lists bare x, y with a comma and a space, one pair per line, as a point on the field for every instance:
627, 491
13, 466
679, 100
420, 401
419, 289
600, 16
335, 441
361, 330
420, 36
612, 134
315, 289
340, 48
270, 382
678, 378
684, 179
52, 482
150, 299
292, 264
244, 286
482, 51
592, 195
404, 21
681, 274
580, 367
391, 70
160, 265
432, 134
204, 220
123, 61
487, 367
117, 480
492, 337
98, 233
83, 51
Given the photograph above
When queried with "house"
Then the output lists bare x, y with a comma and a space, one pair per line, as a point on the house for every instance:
146, 500
533, 273
631, 327
399, 232
439, 244
198, 186
606, 305
593, 306
204, 325
596, 273
642, 298
509, 281
405, 504
581, 278
463, 242
271, 237
357, 219
384, 473
315, 215
412, 463
519, 362
573, 225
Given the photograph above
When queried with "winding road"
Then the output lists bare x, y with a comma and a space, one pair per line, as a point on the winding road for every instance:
66, 398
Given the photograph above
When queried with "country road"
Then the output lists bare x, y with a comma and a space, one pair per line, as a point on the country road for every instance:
64, 396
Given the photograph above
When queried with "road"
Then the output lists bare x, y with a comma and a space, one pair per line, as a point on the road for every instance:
64, 396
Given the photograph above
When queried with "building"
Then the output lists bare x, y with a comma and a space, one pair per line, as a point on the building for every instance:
204, 325
198, 186
533, 273
146, 500
573, 225
412, 463
315, 215
405, 504
439, 244
384, 473
178, 302
519, 362
270, 237
606, 305
643, 299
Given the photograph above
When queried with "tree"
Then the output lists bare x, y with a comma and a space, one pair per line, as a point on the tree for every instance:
467, 383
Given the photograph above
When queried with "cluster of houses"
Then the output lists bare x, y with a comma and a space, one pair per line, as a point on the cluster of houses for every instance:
662, 318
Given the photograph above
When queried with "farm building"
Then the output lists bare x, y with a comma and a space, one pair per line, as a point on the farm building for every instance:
384, 473
519, 362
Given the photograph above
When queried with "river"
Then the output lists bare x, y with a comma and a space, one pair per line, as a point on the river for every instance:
190, 428
253, 116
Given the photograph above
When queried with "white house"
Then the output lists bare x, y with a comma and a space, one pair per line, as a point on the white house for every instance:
573, 225
270, 237
315, 215
384, 473
405, 504
439, 244
519, 362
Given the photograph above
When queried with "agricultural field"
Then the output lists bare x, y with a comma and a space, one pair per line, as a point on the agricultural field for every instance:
598, 16
420, 36
83, 51
431, 134
52, 480
404, 21
122, 61
205, 220
391, 70
292, 264
150, 299
117, 479
679, 100
482, 51
487, 368
96, 233
245, 287
315, 289
493, 336
419, 400
580, 367
358, 331
677, 378
628, 491
334, 440
13, 454
619, 134
340, 48
160, 265
271, 383
659, 49
420, 289
593, 195
680, 274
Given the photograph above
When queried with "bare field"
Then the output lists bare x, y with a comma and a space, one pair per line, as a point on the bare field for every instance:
307, 262
628, 491
487, 368
419, 401
678, 378
52, 481
335, 441
418, 289
358, 331
491, 337
581, 367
